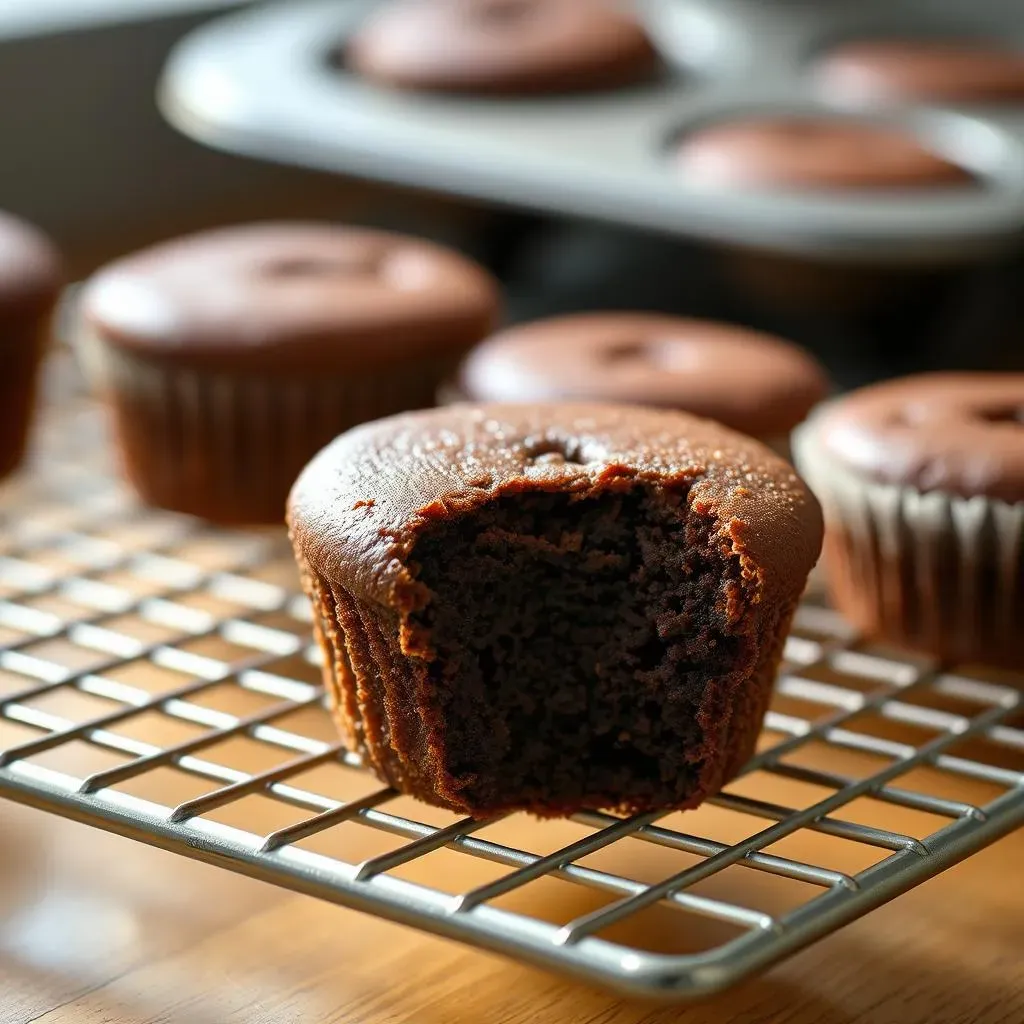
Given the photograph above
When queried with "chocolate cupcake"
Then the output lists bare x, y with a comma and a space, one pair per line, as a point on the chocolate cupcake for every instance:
551, 607
755, 383
928, 70
229, 358
511, 47
812, 152
30, 281
922, 484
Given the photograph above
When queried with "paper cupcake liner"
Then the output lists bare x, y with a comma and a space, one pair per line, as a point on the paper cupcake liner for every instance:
229, 447
373, 718
21, 351
339, 675
933, 571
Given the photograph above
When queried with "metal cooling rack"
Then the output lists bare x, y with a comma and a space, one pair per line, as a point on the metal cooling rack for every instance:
157, 680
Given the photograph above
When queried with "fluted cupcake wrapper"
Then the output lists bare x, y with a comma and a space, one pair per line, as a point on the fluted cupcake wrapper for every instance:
373, 718
229, 446
934, 571
22, 353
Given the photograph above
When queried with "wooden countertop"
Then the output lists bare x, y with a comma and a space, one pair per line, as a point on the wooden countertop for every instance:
95, 928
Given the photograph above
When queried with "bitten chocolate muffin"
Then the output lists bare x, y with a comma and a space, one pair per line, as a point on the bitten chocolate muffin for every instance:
502, 46
939, 70
812, 152
551, 607
752, 382
30, 281
922, 484
229, 358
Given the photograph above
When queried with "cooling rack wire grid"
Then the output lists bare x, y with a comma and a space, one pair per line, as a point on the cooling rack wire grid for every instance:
157, 679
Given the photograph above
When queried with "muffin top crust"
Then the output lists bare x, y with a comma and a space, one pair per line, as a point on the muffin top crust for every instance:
954, 70
753, 382
502, 47
357, 509
812, 152
291, 295
960, 433
30, 269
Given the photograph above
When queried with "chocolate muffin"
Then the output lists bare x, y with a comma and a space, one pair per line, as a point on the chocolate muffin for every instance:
930, 70
230, 357
512, 47
922, 484
551, 607
755, 383
30, 281
816, 152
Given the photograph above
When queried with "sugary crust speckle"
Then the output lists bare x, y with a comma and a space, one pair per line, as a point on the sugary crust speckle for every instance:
358, 507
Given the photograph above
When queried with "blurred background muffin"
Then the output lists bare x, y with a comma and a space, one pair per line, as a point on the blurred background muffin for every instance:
826, 155
30, 280
752, 382
941, 69
922, 483
501, 47
229, 358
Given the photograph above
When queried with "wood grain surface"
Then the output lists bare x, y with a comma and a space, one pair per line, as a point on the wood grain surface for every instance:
95, 928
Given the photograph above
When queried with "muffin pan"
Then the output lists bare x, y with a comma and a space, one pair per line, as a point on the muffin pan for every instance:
265, 83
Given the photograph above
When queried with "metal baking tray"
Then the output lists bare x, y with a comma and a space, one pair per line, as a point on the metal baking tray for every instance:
158, 680
264, 83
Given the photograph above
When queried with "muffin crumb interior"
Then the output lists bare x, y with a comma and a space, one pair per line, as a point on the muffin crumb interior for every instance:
578, 644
